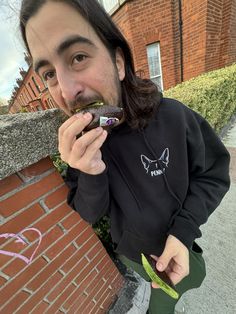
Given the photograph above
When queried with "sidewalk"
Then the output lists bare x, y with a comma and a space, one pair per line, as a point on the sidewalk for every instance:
217, 294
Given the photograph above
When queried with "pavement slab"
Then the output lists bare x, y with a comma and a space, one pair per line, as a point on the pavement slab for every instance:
217, 295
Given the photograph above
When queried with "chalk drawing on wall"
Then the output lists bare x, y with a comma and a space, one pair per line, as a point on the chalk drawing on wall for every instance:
21, 238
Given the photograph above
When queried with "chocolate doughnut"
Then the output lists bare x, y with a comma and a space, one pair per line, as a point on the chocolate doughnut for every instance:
105, 116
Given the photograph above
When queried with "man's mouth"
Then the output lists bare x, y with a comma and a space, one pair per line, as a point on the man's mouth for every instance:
90, 105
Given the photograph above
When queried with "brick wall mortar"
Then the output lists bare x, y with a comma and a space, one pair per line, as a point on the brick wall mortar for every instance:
37, 258
36, 201
45, 245
24, 185
59, 295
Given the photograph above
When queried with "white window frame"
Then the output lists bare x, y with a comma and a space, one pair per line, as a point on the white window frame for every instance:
157, 45
111, 5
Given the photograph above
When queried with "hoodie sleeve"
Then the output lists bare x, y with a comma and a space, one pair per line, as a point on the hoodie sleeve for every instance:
88, 194
208, 181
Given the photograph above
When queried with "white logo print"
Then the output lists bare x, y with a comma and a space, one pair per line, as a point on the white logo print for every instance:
152, 166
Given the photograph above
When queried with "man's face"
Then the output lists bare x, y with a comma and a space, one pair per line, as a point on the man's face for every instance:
71, 59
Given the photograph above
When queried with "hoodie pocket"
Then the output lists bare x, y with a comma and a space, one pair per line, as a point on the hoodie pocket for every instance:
132, 246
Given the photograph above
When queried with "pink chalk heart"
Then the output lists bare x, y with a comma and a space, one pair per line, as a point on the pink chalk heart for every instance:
20, 238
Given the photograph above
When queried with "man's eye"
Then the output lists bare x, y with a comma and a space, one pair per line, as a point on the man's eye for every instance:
79, 58
48, 75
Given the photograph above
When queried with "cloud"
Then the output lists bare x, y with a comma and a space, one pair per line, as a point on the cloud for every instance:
12, 50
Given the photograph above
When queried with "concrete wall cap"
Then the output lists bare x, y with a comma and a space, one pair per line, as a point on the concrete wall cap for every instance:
27, 138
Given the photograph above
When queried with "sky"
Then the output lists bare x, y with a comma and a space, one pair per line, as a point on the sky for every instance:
11, 47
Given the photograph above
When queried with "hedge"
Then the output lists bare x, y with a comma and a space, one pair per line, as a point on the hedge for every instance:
213, 95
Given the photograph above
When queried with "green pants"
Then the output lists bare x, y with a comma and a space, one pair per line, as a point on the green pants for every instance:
160, 302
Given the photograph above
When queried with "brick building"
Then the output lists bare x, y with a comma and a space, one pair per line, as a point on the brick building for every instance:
30, 93
172, 41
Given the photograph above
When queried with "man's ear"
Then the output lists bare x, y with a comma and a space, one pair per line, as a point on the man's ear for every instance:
120, 63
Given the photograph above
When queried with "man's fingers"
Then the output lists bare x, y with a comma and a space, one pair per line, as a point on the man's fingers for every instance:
68, 132
164, 259
66, 124
155, 285
96, 144
86, 143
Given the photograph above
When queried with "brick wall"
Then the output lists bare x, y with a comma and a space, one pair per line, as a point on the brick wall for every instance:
148, 22
209, 35
51, 261
194, 37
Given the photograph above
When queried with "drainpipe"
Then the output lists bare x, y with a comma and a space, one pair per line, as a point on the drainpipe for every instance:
181, 42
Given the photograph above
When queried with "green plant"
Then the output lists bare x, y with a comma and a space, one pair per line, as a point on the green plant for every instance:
60, 165
212, 94
102, 229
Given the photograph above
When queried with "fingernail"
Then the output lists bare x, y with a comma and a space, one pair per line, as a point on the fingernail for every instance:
159, 266
87, 115
78, 115
99, 129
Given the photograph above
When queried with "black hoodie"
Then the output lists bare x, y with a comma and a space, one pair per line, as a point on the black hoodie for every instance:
165, 179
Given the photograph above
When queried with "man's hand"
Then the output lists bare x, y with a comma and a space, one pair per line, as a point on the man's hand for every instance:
82, 153
174, 260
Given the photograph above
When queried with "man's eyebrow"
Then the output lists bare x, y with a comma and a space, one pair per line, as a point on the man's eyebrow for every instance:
38, 64
76, 39
67, 43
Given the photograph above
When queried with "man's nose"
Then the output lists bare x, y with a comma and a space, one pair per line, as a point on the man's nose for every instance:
70, 86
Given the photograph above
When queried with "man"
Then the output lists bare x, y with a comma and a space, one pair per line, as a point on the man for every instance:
159, 174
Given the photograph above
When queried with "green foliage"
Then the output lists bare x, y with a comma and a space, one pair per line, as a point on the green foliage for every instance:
23, 110
60, 165
213, 95
102, 229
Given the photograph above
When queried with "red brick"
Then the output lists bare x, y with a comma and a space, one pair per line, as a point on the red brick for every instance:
40, 294
52, 218
51, 268
95, 250
100, 265
17, 265
80, 290
71, 220
84, 279
9, 184
71, 262
29, 194
90, 289
57, 197
57, 304
99, 288
2, 281
40, 308
68, 238
91, 265
66, 280
89, 308
38, 168
15, 302
85, 236
22, 220
15, 285
107, 300
74, 308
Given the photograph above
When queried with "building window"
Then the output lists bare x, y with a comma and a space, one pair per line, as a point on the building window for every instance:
111, 5
51, 103
154, 64
35, 84
32, 89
